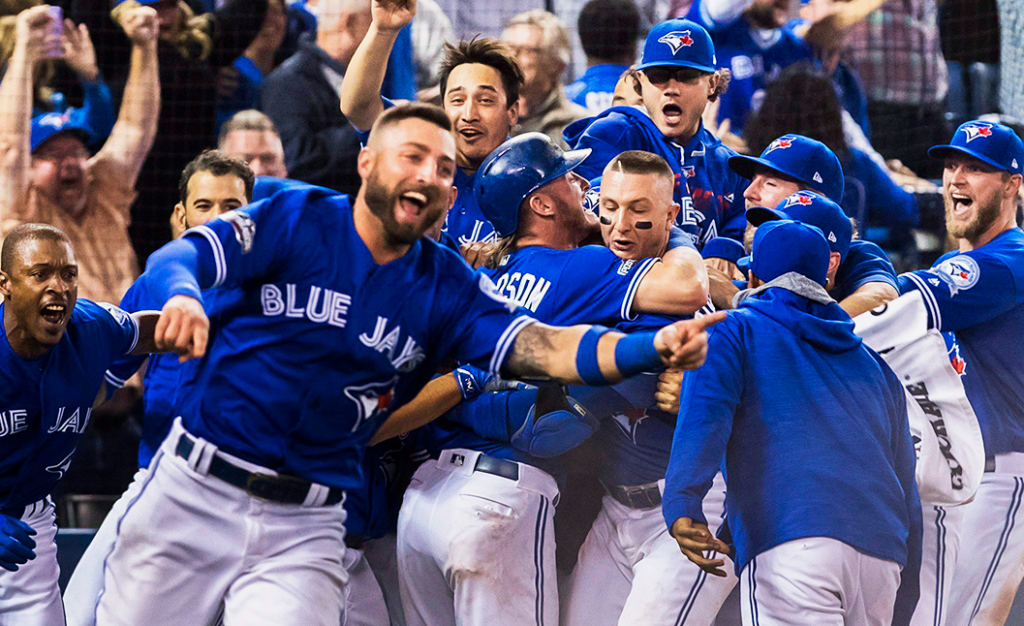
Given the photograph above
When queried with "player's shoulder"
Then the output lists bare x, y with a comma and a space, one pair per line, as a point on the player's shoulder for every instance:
617, 122
861, 249
90, 318
1005, 253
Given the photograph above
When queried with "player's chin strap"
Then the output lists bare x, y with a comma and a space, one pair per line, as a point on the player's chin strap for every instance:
634, 354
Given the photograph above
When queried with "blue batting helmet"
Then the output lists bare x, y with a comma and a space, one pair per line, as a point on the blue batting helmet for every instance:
514, 170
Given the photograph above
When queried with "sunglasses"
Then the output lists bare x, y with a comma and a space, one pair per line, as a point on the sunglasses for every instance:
660, 74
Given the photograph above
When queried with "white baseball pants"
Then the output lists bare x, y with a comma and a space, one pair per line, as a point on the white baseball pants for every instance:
364, 600
630, 571
940, 551
818, 581
189, 541
31, 595
476, 549
992, 563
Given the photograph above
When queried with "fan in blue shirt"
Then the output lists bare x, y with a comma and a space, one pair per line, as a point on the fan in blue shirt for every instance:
608, 31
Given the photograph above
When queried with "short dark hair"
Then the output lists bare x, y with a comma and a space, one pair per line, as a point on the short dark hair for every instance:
27, 232
485, 51
218, 164
640, 162
609, 29
430, 113
249, 119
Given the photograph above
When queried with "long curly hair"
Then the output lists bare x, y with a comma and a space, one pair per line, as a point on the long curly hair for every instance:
195, 42
801, 100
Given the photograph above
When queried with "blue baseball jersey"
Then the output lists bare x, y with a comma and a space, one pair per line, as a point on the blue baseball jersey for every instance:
979, 296
709, 193
754, 56
596, 88
46, 403
583, 285
864, 263
326, 342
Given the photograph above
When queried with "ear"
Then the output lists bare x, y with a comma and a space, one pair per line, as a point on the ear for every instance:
833, 264
178, 218
513, 113
451, 199
673, 213
1013, 186
5, 285
364, 161
541, 204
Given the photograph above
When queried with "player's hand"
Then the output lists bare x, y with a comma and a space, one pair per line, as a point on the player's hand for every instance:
183, 328
392, 15
474, 253
684, 345
16, 544
725, 266
666, 395
34, 33
141, 25
694, 540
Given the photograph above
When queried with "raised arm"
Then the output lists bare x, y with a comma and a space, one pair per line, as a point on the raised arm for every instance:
32, 39
133, 134
829, 32
360, 90
676, 286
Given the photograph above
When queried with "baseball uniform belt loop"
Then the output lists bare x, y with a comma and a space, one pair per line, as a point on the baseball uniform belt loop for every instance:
1011, 463
636, 497
278, 489
497, 467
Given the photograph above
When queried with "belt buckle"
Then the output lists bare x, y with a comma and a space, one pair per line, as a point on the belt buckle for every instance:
631, 496
271, 488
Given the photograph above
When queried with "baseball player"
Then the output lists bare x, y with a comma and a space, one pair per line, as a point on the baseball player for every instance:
211, 185
865, 277
53, 353
630, 570
977, 292
677, 78
480, 81
822, 506
346, 313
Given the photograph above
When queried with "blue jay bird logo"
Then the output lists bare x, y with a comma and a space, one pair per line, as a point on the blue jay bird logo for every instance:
977, 130
677, 40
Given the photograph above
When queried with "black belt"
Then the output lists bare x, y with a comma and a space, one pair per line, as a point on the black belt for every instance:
641, 497
279, 489
990, 464
489, 465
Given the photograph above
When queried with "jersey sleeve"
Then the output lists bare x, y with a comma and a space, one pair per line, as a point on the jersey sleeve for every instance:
124, 367
710, 396
364, 135
964, 290
122, 331
480, 326
596, 285
865, 263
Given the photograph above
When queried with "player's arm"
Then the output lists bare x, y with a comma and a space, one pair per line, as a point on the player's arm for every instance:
364, 76
828, 32
676, 286
719, 13
132, 137
33, 37
710, 397
868, 296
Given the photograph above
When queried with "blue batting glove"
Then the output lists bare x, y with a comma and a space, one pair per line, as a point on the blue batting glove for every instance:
474, 381
16, 545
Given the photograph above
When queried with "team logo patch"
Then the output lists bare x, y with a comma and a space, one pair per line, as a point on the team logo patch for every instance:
592, 200
244, 227
371, 400
957, 361
977, 130
626, 266
779, 144
677, 40
119, 314
959, 272
817, 178
689, 171
801, 197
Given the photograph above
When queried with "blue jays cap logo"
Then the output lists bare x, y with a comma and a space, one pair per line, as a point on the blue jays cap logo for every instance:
677, 40
976, 130
801, 197
57, 120
780, 143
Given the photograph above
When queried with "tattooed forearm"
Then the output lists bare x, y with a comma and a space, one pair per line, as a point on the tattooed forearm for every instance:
535, 347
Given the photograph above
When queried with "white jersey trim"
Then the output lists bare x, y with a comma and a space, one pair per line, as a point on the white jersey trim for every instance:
220, 264
506, 340
930, 302
634, 286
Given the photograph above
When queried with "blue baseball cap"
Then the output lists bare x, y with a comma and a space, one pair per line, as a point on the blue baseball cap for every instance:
514, 170
801, 158
48, 125
810, 208
989, 142
681, 43
787, 246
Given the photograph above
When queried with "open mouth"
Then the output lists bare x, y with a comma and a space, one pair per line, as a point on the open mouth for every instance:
961, 203
621, 245
54, 314
412, 203
673, 113
470, 134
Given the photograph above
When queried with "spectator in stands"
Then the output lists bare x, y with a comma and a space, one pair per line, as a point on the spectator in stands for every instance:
628, 90
801, 100
897, 53
252, 137
301, 96
1011, 59
192, 49
430, 30
541, 46
608, 30
970, 44
47, 174
241, 82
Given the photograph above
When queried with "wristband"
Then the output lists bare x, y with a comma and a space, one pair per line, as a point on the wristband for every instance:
635, 354
586, 357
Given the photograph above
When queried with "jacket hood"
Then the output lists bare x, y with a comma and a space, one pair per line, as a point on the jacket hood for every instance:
805, 308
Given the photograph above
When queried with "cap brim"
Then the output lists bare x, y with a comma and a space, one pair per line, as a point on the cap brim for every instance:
81, 133
943, 151
707, 69
746, 166
760, 214
744, 263
572, 160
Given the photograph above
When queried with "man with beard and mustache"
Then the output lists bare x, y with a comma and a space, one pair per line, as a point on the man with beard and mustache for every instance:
977, 293
480, 82
48, 175
347, 311
55, 349
676, 78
